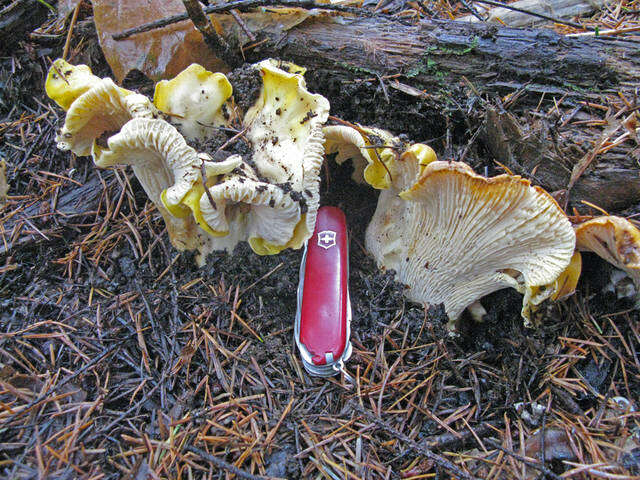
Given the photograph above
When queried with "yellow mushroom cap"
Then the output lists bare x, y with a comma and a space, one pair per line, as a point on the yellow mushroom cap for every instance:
455, 236
377, 155
615, 239
193, 100
94, 106
562, 287
374, 152
167, 169
567, 282
66, 82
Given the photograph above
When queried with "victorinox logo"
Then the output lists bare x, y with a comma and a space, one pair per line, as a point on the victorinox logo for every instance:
327, 239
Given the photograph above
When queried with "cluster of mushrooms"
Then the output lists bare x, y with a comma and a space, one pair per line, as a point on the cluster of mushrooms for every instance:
224, 167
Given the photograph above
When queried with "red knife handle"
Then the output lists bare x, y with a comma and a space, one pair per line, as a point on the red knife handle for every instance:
323, 317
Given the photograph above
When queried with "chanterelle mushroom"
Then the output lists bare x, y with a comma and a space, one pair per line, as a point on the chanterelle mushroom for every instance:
372, 150
379, 158
263, 188
454, 236
271, 200
615, 239
194, 100
166, 168
94, 106
66, 82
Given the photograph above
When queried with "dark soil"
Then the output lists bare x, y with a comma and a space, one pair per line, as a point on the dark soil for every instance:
246, 82
118, 354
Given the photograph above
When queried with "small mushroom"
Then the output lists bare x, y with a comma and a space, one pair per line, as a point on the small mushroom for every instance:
372, 150
377, 155
265, 192
455, 236
95, 106
615, 239
562, 287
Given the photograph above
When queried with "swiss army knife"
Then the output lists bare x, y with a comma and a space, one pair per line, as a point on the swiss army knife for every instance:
323, 317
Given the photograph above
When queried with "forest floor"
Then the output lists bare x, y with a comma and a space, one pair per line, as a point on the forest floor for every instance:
119, 358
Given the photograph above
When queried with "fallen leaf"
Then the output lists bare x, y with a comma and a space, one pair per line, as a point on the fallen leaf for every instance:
556, 445
159, 53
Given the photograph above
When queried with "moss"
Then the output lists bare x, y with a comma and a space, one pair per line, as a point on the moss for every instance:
354, 69
427, 65
458, 50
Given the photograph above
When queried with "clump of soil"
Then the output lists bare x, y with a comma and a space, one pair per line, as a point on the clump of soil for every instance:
247, 83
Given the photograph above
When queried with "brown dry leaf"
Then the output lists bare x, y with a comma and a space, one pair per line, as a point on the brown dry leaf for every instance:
556, 445
159, 53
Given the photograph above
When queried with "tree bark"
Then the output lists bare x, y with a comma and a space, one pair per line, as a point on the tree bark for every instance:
438, 54
439, 62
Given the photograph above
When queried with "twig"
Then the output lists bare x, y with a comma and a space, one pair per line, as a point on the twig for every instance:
203, 174
213, 40
236, 16
238, 5
605, 33
266, 275
437, 459
384, 88
472, 9
67, 42
226, 466
450, 441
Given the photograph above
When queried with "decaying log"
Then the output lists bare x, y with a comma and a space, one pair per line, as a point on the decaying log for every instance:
550, 159
438, 55
454, 60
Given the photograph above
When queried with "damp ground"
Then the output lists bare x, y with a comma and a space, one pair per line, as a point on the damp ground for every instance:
120, 357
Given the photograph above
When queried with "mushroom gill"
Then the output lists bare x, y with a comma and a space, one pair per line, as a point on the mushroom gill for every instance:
455, 236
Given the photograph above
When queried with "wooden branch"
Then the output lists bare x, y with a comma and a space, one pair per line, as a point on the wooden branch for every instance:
558, 9
203, 23
453, 60
548, 156
439, 54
